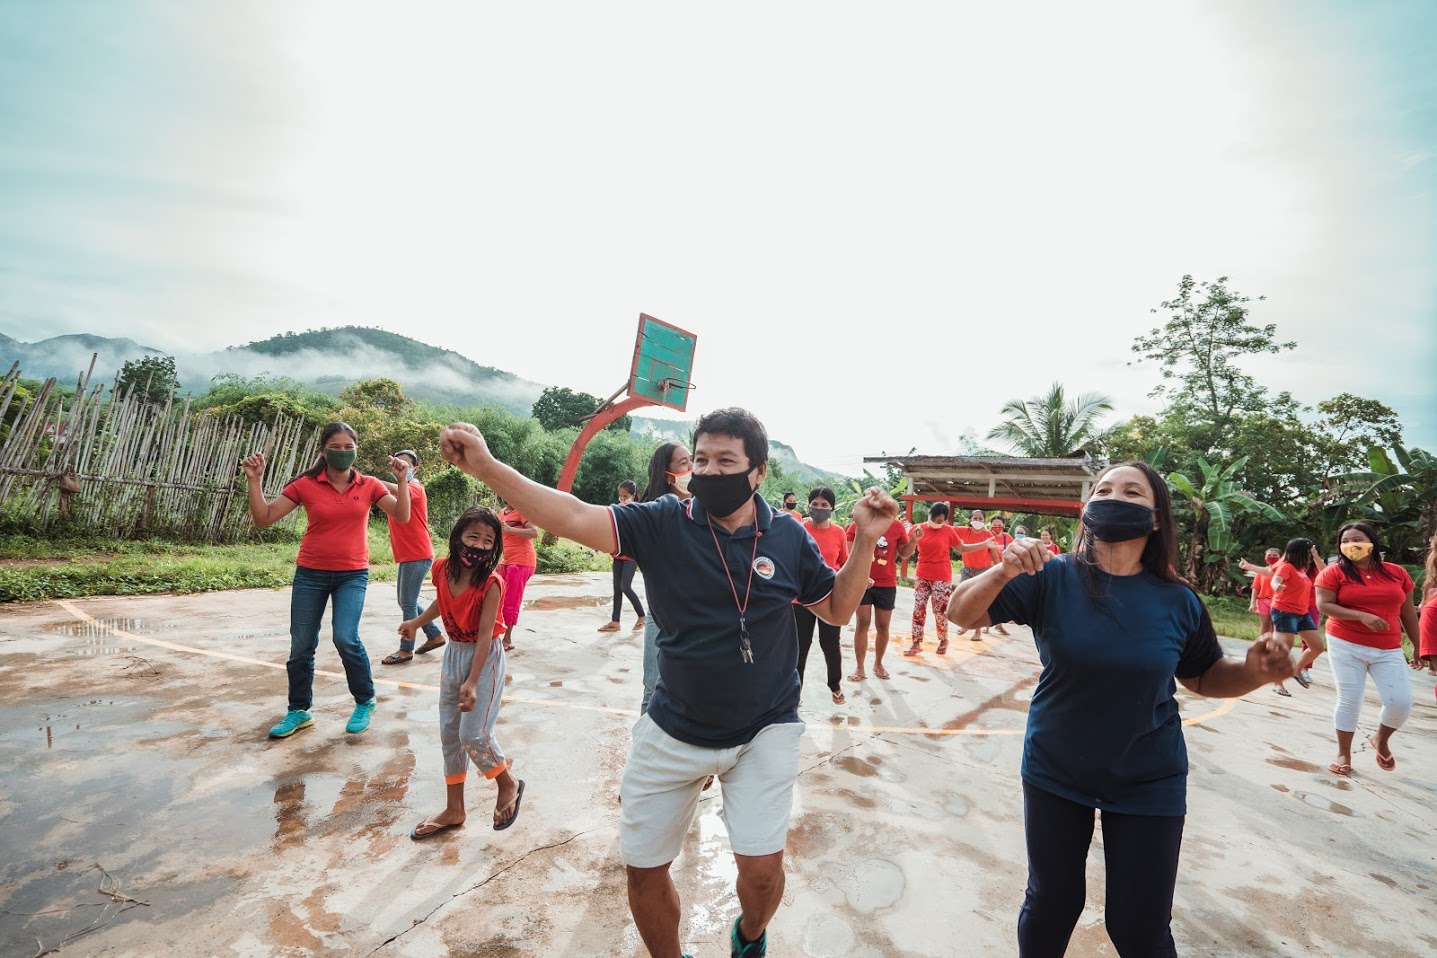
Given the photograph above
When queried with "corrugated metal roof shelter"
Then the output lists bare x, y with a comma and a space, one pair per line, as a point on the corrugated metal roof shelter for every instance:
1054, 487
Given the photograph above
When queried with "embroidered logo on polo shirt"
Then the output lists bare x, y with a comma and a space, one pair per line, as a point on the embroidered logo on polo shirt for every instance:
763, 565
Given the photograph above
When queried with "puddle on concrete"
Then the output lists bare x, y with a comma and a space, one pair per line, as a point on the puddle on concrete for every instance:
1282, 788
1294, 764
549, 603
556, 685
1317, 801
856, 766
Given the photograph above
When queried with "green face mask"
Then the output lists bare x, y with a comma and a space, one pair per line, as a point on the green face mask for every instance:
340, 460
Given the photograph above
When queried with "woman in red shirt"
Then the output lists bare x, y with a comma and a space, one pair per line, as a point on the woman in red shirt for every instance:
833, 545
933, 579
333, 564
1291, 586
1427, 622
1365, 599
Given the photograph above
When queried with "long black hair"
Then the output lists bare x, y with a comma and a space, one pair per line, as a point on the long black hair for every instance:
1160, 552
477, 574
329, 432
1349, 568
1298, 554
659, 472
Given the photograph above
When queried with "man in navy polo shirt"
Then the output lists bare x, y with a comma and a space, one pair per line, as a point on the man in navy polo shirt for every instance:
722, 571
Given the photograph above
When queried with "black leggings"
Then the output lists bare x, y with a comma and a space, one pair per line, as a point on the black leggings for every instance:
1141, 854
828, 636
624, 570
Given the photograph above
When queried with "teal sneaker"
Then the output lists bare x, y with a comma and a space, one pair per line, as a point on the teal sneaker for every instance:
359, 721
294, 720
754, 949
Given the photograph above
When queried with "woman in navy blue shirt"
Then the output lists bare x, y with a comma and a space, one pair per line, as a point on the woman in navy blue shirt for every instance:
1114, 625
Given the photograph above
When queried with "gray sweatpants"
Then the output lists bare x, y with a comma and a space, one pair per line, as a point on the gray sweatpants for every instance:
469, 736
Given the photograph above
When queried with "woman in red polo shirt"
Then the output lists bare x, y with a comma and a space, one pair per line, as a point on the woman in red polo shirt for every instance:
414, 552
1366, 600
333, 563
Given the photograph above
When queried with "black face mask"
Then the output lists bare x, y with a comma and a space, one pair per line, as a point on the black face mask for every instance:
722, 496
790, 506
1115, 521
469, 556
819, 514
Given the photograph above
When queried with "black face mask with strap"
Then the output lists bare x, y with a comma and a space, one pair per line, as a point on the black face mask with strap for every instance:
722, 496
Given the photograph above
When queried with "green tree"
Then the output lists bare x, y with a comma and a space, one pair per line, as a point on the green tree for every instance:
1213, 507
382, 395
560, 407
1051, 425
1207, 331
1398, 497
152, 378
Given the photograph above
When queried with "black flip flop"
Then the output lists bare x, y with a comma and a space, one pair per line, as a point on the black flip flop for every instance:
518, 797
430, 646
442, 828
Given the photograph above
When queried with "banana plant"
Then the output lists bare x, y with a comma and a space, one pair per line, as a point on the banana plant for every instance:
1214, 506
1398, 498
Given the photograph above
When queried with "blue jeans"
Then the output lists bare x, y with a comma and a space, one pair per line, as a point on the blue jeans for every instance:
313, 588
651, 659
411, 577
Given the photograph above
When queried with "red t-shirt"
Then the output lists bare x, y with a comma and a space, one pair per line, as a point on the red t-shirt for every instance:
518, 550
1053, 548
1295, 596
935, 560
884, 570
1262, 585
832, 543
461, 613
1375, 595
410, 540
978, 558
1427, 627
337, 537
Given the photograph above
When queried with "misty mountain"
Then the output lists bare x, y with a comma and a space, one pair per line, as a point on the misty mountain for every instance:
67, 357
330, 359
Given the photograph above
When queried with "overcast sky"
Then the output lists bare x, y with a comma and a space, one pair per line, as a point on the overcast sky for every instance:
882, 220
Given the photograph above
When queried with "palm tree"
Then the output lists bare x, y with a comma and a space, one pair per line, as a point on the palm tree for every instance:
1051, 425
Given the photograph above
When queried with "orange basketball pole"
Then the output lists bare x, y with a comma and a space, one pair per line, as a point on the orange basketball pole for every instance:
596, 424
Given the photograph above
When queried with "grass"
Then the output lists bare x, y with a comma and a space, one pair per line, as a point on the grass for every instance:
1231, 618
35, 568
32, 569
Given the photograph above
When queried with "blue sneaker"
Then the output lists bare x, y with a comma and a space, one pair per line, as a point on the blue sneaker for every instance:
754, 949
359, 721
294, 720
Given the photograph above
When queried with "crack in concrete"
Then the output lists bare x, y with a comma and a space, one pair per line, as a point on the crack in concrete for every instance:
473, 888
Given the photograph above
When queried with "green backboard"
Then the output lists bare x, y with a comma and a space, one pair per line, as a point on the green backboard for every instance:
663, 362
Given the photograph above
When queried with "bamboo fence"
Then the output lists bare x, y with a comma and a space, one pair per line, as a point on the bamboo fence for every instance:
124, 466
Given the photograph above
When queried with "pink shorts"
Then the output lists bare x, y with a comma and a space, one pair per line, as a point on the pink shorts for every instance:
1264, 607
514, 578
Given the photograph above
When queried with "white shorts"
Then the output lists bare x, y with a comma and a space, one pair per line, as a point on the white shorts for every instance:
663, 778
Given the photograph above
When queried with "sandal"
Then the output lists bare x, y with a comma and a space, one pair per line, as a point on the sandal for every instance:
1340, 768
1282, 691
608, 627
434, 829
396, 658
1387, 764
518, 797
857, 677
943, 647
880, 672
639, 624
1300, 680
915, 649
429, 646
838, 698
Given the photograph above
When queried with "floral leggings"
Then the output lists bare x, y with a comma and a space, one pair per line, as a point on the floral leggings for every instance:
938, 591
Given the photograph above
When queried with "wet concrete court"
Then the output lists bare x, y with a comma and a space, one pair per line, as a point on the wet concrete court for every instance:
136, 770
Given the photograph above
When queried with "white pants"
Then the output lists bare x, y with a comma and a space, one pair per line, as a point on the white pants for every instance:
663, 778
1351, 664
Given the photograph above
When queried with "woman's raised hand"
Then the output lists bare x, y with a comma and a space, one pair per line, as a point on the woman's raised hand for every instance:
400, 467
1025, 557
253, 466
462, 444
